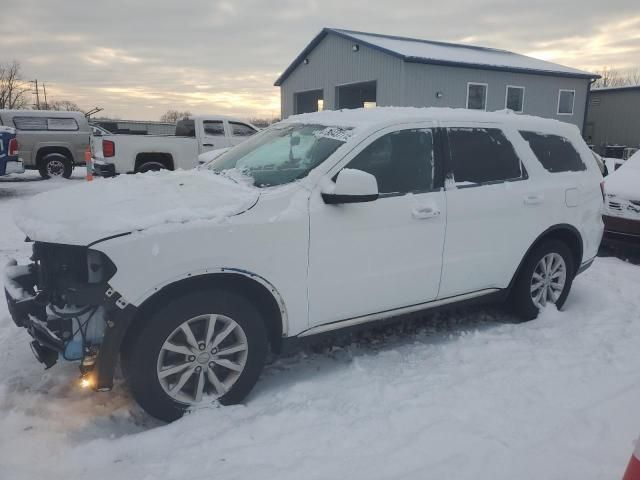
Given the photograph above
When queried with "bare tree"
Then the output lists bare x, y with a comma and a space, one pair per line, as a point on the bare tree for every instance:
13, 88
611, 77
263, 122
633, 76
64, 106
172, 116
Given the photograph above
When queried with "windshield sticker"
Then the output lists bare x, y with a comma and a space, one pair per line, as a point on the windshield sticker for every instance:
337, 133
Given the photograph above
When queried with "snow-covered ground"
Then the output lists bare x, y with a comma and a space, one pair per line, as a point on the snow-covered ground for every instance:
462, 395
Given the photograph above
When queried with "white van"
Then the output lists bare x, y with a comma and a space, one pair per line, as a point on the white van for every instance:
321, 222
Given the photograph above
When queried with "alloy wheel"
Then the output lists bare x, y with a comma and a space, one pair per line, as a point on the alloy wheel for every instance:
55, 168
548, 280
202, 359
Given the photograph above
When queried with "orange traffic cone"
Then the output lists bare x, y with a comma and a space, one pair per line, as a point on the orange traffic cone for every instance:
87, 161
633, 469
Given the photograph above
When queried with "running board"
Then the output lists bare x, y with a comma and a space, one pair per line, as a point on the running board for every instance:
327, 327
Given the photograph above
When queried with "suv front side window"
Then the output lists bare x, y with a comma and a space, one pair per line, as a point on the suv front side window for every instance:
481, 156
402, 161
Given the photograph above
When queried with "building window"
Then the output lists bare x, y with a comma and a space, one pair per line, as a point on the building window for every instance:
477, 96
514, 98
566, 99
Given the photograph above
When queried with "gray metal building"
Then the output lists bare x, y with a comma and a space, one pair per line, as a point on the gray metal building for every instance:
348, 69
614, 117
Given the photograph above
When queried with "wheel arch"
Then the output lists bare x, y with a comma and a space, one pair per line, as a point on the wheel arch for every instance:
163, 158
258, 290
49, 149
564, 232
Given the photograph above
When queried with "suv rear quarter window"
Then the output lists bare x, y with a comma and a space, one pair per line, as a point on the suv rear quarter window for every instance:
554, 152
482, 155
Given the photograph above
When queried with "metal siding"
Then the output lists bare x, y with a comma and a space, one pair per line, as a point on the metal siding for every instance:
540, 97
616, 120
333, 63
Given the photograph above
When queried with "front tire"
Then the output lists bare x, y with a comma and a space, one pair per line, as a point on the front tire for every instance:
545, 278
200, 347
55, 165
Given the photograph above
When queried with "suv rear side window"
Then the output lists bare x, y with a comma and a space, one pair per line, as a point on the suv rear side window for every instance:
402, 162
482, 155
555, 153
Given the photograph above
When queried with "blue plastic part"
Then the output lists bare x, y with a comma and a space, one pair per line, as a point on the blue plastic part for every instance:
73, 350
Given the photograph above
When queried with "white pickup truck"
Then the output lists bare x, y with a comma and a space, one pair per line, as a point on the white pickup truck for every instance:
114, 154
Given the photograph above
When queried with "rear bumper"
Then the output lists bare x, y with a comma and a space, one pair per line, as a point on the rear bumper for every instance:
585, 265
14, 166
621, 231
103, 169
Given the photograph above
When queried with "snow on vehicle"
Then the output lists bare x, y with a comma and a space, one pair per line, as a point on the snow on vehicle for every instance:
622, 205
321, 222
142, 153
10, 162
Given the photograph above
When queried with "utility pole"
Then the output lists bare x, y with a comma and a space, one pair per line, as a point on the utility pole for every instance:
44, 89
37, 94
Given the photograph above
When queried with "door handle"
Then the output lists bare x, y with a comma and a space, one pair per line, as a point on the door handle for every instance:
208, 145
425, 212
533, 199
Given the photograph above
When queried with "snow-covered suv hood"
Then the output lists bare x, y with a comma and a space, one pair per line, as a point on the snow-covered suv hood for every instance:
88, 212
625, 181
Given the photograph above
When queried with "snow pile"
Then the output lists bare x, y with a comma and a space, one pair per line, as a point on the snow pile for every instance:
91, 211
625, 181
360, 119
211, 155
462, 395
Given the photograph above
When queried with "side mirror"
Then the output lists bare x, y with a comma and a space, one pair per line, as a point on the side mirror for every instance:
352, 186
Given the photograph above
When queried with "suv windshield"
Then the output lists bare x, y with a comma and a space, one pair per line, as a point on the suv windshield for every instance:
282, 153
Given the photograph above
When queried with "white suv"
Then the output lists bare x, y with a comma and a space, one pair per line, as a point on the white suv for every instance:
321, 222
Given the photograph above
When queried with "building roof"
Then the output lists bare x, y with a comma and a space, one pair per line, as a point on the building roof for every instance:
442, 53
615, 89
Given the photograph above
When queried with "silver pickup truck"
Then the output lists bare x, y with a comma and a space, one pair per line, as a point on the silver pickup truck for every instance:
122, 153
49, 141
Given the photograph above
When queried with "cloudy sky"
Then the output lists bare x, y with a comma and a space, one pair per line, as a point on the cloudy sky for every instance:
136, 59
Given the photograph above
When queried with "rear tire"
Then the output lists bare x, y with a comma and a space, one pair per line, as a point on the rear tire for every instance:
151, 167
163, 344
537, 285
55, 165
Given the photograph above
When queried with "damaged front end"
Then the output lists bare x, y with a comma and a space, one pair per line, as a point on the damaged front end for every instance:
65, 302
